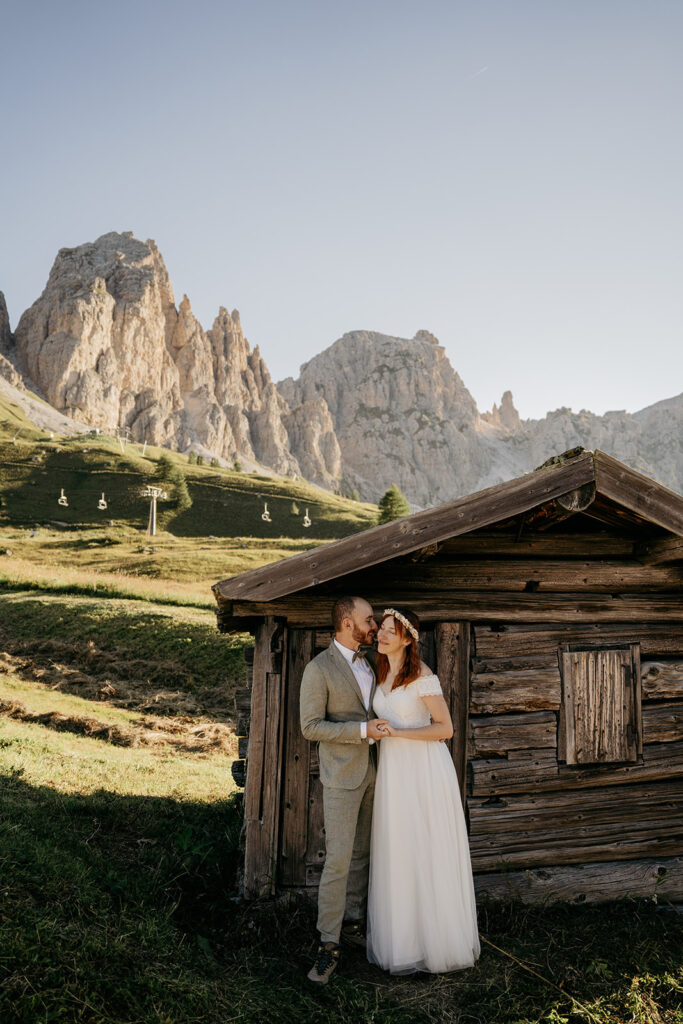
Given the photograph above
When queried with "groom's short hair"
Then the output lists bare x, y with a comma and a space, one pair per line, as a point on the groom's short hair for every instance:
343, 608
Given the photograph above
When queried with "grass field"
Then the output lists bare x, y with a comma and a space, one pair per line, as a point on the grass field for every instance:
35, 469
120, 824
119, 857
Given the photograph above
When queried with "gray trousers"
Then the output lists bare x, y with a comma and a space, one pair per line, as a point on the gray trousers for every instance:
343, 888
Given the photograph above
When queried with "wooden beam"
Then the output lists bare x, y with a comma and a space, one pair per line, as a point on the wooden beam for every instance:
539, 545
261, 798
663, 723
624, 839
491, 735
662, 680
539, 771
509, 607
577, 500
612, 576
587, 883
542, 811
452, 641
498, 690
638, 493
409, 534
655, 552
518, 640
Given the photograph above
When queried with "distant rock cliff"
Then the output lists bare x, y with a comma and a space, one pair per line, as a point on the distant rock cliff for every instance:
402, 414
107, 346
7, 369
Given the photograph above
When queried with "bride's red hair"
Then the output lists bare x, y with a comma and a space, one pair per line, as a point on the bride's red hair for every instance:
412, 663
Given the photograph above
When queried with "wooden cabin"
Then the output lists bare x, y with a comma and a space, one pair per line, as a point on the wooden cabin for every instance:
552, 611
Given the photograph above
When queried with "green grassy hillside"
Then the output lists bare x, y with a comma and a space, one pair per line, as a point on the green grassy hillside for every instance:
34, 469
120, 856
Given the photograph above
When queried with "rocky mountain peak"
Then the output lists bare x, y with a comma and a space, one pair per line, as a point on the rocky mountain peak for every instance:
107, 346
7, 368
505, 415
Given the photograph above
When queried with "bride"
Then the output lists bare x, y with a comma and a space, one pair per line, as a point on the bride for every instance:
421, 909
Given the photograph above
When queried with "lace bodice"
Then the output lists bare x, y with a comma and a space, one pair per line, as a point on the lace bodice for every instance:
404, 707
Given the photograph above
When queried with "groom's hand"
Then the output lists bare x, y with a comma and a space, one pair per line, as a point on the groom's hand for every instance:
374, 728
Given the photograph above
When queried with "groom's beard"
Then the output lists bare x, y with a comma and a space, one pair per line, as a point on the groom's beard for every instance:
365, 637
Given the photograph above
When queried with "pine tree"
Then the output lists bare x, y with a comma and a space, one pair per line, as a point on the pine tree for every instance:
393, 505
171, 475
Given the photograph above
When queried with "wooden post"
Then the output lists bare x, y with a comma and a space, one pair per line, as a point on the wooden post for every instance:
243, 718
295, 797
453, 669
262, 792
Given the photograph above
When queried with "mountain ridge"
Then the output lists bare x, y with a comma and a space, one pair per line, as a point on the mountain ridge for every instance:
107, 345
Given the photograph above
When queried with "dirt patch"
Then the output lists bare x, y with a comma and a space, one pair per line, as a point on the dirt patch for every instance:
134, 684
181, 734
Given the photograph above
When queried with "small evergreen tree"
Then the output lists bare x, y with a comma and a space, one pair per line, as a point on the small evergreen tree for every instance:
237, 466
214, 463
295, 509
393, 505
355, 496
200, 460
172, 478
191, 458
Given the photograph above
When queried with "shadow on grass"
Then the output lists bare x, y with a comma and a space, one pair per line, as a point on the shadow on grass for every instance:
80, 642
121, 909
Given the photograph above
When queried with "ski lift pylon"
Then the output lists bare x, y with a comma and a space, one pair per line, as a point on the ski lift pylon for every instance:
62, 499
307, 519
101, 504
265, 515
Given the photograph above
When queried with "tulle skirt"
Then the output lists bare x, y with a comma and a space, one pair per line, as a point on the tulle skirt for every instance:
421, 909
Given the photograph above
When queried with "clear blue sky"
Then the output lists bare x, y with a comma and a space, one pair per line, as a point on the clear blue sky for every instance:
506, 174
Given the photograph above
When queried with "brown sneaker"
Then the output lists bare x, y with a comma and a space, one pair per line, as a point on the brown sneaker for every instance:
353, 933
325, 964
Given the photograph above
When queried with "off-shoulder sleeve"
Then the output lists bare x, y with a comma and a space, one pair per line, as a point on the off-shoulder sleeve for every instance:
429, 686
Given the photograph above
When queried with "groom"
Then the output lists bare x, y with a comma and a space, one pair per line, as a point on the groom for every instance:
336, 708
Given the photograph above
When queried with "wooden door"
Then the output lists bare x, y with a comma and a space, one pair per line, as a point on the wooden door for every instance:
452, 642
300, 797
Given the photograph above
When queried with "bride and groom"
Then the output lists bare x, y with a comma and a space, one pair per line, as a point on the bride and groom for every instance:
394, 826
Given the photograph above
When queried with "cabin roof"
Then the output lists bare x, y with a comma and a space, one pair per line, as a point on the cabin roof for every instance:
584, 481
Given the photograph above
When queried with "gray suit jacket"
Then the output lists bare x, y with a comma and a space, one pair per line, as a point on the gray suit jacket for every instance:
331, 706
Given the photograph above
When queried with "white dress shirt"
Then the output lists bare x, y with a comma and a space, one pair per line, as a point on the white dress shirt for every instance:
365, 679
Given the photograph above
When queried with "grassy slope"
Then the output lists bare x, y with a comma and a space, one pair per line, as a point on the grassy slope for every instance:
81, 549
34, 469
119, 826
119, 860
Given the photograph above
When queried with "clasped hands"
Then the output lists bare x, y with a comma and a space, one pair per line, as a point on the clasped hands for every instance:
379, 728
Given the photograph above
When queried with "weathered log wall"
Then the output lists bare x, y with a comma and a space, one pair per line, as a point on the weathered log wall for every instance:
498, 611
527, 808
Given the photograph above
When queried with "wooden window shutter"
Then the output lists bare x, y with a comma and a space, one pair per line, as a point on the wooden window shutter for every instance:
600, 715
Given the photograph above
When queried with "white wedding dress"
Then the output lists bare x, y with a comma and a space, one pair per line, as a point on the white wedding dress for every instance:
421, 909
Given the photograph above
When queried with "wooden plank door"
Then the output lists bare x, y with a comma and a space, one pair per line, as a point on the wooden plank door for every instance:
452, 641
262, 791
295, 766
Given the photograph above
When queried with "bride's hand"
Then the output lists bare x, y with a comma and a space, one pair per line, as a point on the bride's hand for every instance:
387, 730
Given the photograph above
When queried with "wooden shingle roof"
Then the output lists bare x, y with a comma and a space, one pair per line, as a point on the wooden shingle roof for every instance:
586, 478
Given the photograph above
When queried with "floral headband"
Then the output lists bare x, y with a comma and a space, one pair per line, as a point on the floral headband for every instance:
404, 622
